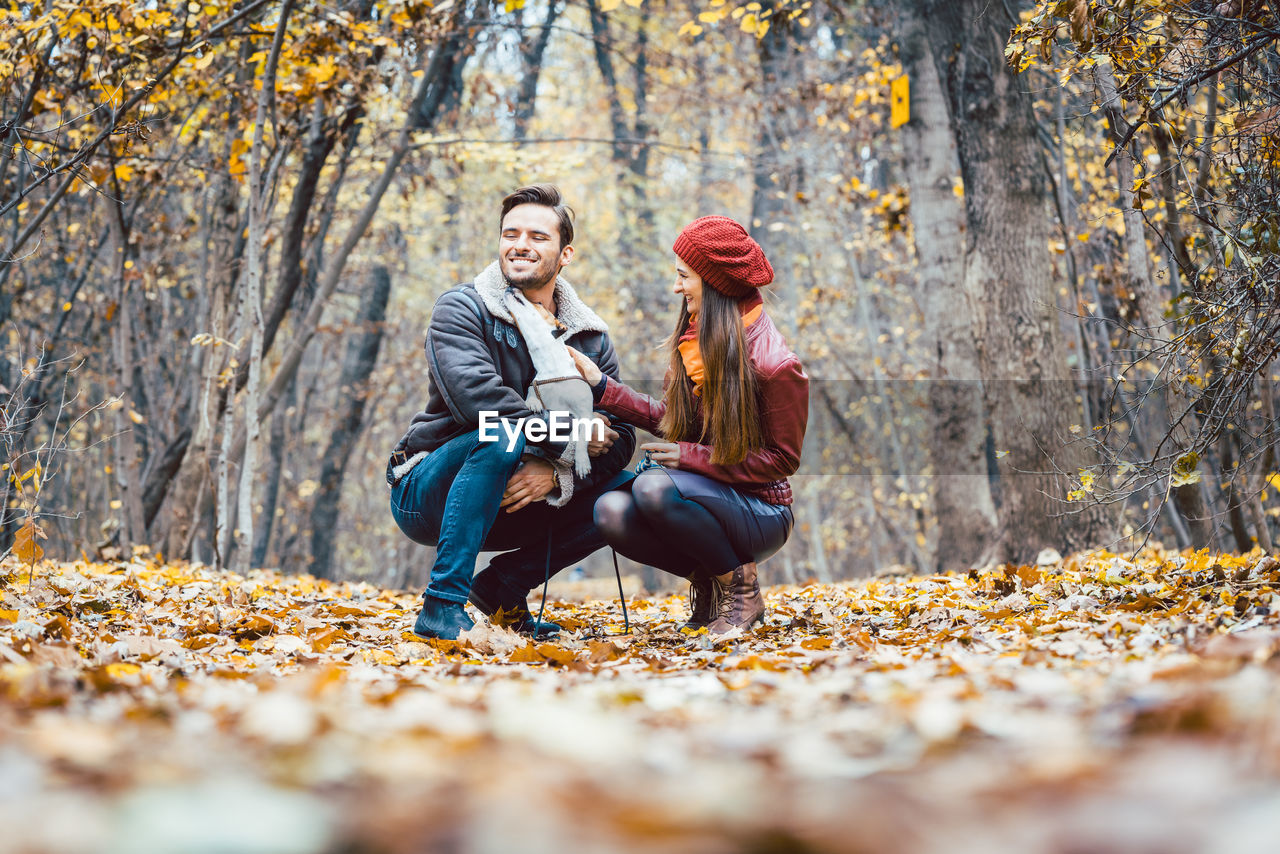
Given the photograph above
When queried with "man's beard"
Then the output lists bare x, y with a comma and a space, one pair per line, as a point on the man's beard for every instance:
530, 280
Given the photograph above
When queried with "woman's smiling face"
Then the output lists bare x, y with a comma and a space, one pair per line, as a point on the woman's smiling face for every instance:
689, 285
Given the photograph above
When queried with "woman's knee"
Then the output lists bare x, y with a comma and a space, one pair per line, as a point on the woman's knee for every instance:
654, 492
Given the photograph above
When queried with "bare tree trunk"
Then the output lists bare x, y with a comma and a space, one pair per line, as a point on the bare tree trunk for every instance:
163, 471
817, 548
272, 475
775, 175
1090, 392
963, 504
531, 53
353, 393
1009, 279
188, 498
250, 305
884, 394
127, 477
1231, 475
625, 152
1259, 518
703, 190
873, 545
1188, 498
1266, 396
630, 149
222, 525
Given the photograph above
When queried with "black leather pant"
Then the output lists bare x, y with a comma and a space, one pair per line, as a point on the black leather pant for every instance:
690, 525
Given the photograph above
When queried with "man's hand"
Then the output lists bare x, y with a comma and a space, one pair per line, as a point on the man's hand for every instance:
532, 481
599, 447
590, 370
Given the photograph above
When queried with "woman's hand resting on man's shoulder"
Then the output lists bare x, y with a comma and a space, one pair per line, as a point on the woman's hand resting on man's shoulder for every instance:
591, 373
663, 453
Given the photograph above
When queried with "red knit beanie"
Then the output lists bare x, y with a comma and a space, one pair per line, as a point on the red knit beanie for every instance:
724, 255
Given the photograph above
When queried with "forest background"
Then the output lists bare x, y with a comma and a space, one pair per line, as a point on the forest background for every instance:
1039, 314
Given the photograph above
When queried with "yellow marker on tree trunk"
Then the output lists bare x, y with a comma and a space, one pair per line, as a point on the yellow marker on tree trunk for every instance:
899, 102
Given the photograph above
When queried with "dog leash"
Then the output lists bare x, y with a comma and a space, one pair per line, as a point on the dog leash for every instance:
626, 623
546, 580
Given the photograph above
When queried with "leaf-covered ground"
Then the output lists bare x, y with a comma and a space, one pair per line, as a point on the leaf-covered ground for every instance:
1089, 704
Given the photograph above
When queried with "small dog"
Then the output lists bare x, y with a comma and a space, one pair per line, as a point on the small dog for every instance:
557, 385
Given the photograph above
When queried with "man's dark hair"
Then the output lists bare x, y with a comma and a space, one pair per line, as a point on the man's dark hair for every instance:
547, 195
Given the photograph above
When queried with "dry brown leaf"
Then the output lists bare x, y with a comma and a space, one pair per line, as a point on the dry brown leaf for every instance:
603, 651
147, 647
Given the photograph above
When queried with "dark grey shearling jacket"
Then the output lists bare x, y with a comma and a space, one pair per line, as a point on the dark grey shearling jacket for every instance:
477, 361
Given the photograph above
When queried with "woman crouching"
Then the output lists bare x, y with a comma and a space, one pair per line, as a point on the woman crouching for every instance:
733, 413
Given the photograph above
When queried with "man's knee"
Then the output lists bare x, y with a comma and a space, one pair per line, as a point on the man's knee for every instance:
610, 513
506, 449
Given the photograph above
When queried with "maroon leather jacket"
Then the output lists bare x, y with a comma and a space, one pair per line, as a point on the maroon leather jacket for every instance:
784, 412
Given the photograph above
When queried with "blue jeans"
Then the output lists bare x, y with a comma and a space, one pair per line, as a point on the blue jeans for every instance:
451, 500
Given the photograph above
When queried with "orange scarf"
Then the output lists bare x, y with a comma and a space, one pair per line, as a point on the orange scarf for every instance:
751, 307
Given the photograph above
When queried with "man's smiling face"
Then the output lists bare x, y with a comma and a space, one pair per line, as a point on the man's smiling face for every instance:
529, 250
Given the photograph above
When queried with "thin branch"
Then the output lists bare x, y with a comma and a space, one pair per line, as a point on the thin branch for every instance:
549, 140
1199, 77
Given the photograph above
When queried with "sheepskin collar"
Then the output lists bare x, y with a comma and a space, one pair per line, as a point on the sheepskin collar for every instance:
570, 310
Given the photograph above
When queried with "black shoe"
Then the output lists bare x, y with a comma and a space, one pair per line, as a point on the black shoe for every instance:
514, 615
530, 626
442, 619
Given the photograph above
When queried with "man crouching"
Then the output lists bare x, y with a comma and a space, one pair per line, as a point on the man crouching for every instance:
494, 350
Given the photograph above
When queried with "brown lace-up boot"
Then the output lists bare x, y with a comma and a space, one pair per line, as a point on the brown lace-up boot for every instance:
739, 604
702, 603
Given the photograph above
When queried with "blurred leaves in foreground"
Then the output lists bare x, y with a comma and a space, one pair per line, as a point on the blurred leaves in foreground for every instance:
1088, 703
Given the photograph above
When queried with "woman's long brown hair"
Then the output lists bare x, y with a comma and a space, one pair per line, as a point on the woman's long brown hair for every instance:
731, 410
